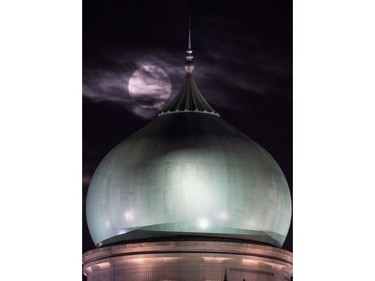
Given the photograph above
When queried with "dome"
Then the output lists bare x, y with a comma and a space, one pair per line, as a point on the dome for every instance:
188, 173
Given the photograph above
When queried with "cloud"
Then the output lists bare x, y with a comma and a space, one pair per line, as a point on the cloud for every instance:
112, 83
225, 71
150, 86
109, 85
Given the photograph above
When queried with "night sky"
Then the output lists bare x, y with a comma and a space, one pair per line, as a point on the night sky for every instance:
243, 67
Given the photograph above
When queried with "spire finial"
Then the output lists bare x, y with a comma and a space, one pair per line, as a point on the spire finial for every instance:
189, 98
189, 43
225, 275
189, 65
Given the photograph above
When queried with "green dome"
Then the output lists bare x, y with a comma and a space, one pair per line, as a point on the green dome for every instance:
188, 173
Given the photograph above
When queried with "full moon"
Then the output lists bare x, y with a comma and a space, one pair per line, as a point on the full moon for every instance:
150, 86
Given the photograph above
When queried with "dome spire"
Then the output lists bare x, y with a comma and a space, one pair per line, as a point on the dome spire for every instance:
189, 98
189, 65
189, 42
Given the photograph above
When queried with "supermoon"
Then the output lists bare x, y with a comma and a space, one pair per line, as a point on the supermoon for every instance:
150, 86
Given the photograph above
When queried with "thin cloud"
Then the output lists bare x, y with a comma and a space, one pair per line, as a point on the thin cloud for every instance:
113, 85
150, 86
228, 66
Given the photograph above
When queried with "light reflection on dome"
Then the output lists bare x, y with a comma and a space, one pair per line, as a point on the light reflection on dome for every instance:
129, 216
223, 215
122, 231
203, 223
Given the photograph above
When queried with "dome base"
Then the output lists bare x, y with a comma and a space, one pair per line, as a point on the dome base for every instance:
187, 260
137, 236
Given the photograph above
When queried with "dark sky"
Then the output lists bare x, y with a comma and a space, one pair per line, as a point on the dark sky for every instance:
243, 67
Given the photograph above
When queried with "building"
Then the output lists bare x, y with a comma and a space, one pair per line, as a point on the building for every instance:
188, 197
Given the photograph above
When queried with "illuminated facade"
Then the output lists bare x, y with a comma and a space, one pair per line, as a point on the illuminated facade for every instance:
188, 197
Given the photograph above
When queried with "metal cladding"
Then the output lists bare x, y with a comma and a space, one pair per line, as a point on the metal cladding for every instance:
188, 173
190, 99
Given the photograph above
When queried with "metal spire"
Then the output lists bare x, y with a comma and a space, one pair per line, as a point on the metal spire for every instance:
189, 44
189, 98
225, 275
189, 65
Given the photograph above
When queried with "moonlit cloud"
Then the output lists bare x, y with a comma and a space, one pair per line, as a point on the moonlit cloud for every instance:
106, 85
150, 87
113, 84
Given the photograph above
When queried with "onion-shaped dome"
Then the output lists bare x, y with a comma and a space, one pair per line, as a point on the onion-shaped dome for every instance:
188, 172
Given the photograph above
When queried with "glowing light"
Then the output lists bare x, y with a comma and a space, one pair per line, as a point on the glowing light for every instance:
103, 265
137, 260
122, 231
215, 259
203, 223
129, 216
87, 270
249, 262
